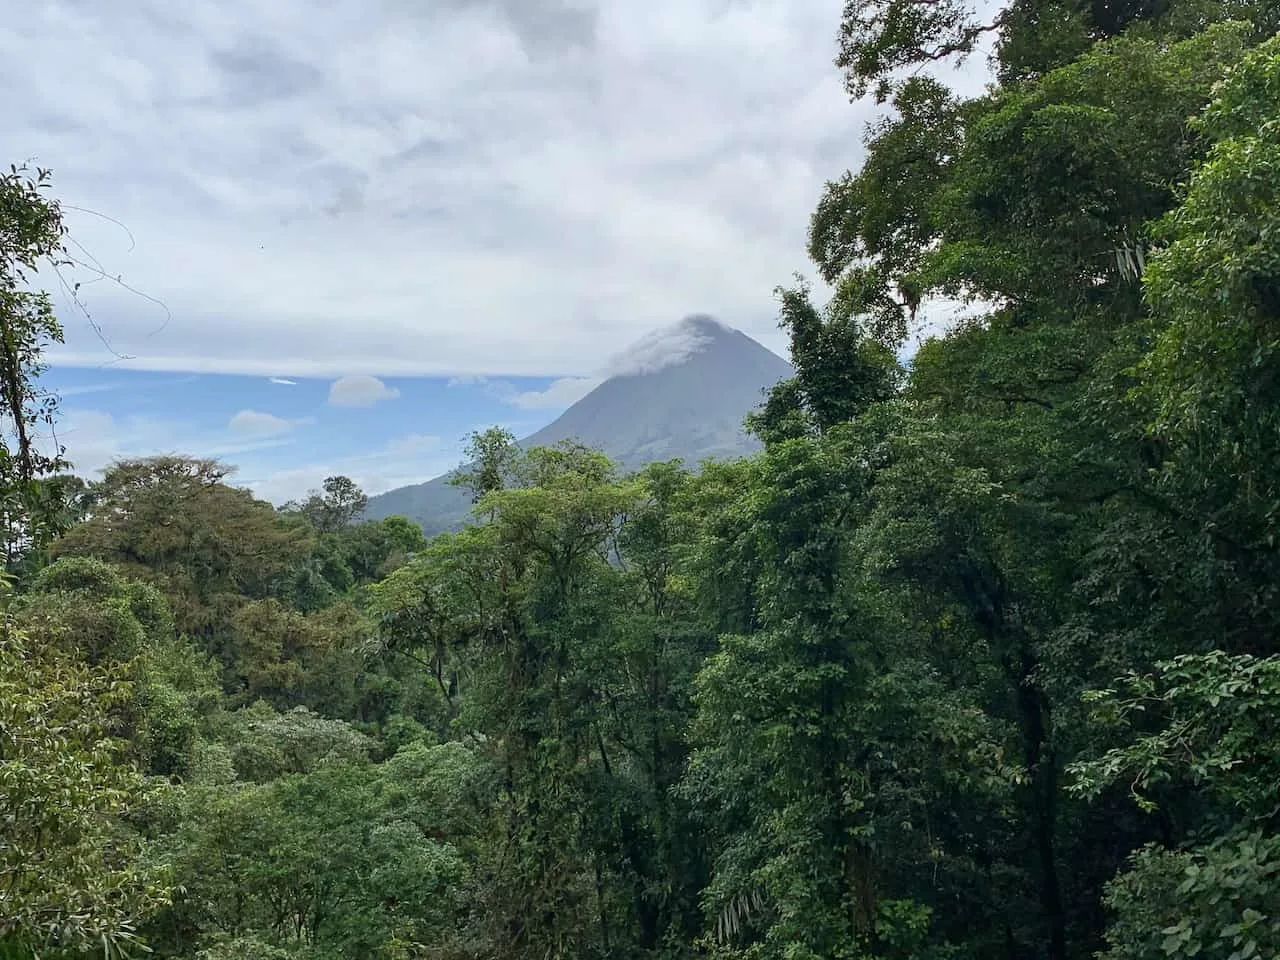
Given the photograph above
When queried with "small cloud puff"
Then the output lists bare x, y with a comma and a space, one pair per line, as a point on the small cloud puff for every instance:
559, 393
413, 443
405, 460
360, 390
255, 423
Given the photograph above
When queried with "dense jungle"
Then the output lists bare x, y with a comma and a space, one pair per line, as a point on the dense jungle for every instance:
976, 659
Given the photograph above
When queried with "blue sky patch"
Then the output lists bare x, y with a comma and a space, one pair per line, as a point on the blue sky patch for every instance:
285, 435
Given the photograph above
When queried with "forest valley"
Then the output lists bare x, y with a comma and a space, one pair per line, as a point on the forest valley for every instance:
977, 659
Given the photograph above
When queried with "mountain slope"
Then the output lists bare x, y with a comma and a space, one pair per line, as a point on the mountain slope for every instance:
680, 392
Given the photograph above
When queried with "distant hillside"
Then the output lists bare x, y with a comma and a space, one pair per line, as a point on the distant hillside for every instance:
680, 392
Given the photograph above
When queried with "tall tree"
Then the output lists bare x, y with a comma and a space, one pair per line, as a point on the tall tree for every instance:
491, 462
176, 522
73, 875
340, 503
31, 236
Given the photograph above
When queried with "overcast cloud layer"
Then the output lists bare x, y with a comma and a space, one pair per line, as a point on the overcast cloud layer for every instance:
396, 187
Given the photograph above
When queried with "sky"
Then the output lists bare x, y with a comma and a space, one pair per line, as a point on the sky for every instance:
334, 236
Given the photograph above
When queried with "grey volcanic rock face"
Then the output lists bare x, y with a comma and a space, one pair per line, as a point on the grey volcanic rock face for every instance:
681, 392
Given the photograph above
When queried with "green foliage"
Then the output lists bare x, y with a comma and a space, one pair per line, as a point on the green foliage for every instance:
340, 503
1220, 902
840, 371
344, 860
348, 557
72, 873
877, 40
1218, 731
266, 745
95, 609
221, 947
279, 654
975, 659
85, 606
1213, 375
31, 235
174, 522
491, 457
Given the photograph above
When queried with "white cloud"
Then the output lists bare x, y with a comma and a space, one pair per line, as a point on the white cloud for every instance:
283, 381
663, 348
112, 385
360, 390
559, 394
413, 458
379, 188
255, 423
81, 390
94, 439
414, 443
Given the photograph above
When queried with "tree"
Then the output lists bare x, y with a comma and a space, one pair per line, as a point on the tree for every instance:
175, 522
491, 459
556, 633
1212, 378
31, 235
341, 504
266, 745
880, 43
288, 657
1215, 896
981, 550
829, 749
73, 874
346, 859
840, 371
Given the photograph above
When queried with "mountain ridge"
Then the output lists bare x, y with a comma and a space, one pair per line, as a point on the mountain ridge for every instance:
680, 392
